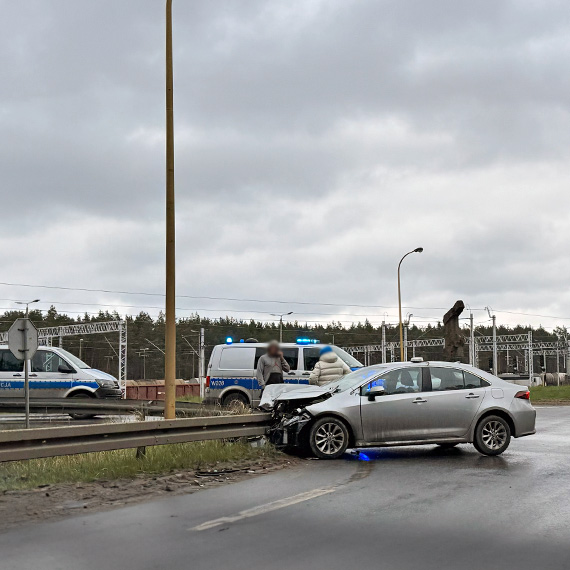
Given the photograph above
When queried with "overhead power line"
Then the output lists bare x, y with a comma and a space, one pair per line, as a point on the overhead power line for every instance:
278, 301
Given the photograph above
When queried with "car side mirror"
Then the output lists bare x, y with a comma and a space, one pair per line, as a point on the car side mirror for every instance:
375, 391
65, 369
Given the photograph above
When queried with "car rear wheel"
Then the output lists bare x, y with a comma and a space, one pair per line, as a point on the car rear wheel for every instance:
328, 438
492, 435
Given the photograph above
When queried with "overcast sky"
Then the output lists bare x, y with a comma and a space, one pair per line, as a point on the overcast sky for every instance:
316, 143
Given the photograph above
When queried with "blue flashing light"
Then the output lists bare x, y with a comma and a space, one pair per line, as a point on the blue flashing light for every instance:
229, 340
307, 341
241, 340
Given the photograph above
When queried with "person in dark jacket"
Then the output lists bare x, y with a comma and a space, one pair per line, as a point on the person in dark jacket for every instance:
270, 366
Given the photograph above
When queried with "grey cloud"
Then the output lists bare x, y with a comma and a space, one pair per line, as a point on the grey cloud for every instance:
315, 142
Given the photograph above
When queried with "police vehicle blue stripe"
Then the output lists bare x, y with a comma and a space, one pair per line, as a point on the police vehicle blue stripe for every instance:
45, 384
247, 383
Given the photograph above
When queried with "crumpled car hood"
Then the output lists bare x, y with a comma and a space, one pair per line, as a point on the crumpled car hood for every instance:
277, 393
304, 393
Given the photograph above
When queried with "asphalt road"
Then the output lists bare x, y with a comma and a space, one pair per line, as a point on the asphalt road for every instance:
403, 508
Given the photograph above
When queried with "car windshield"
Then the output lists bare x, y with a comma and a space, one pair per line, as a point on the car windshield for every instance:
349, 359
355, 378
73, 359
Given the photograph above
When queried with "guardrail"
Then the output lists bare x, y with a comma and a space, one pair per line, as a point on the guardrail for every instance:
93, 406
50, 442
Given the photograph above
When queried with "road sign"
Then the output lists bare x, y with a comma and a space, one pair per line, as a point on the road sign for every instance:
23, 339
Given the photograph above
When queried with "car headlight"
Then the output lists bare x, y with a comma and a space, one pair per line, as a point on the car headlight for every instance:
107, 383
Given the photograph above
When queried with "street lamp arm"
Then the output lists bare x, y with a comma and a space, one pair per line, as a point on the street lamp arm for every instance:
417, 250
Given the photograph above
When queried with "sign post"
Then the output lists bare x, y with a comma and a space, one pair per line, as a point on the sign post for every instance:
23, 344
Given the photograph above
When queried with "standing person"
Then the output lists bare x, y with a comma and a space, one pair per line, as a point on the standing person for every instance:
270, 366
329, 367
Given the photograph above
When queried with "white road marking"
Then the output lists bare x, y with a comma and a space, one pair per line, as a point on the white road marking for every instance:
266, 508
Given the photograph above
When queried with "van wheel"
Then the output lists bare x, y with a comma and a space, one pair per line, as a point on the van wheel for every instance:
235, 401
328, 438
81, 416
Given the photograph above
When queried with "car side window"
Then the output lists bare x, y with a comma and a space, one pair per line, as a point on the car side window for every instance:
9, 363
403, 381
311, 356
291, 355
472, 381
259, 352
47, 361
443, 379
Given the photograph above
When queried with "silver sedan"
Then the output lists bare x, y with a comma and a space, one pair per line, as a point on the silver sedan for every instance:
404, 403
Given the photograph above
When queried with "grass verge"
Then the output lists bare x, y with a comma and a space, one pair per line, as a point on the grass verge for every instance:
191, 399
550, 394
123, 464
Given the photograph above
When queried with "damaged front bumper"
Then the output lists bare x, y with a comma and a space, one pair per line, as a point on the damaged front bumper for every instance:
286, 432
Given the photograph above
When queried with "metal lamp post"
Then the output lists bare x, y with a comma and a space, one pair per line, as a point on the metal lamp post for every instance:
417, 250
281, 315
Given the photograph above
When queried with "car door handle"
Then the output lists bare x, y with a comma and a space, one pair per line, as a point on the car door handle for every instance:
33, 375
290, 373
306, 374
472, 396
17, 375
419, 401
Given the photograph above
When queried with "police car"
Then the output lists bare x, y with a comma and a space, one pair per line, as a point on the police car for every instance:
231, 376
54, 373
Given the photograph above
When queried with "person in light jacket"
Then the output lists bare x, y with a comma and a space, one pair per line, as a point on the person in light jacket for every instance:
329, 367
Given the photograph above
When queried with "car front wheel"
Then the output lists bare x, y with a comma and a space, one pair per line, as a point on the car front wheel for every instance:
492, 435
328, 438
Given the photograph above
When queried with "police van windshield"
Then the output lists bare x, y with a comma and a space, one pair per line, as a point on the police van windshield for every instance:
343, 355
73, 359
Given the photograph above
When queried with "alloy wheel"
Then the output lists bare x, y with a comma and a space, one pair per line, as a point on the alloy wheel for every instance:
329, 438
494, 435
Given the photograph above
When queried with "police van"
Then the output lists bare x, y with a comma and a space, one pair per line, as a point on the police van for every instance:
54, 373
231, 375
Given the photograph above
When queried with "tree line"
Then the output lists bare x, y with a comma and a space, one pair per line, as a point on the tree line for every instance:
145, 338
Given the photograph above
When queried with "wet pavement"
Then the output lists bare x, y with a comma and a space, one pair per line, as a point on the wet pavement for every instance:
398, 508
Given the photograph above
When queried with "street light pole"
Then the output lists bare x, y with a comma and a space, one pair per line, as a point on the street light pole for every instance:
417, 250
495, 368
170, 313
281, 315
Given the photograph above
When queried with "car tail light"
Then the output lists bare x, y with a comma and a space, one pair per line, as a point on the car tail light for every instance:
207, 381
523, 395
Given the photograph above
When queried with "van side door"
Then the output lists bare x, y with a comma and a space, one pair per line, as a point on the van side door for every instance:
295, 374
46, 377
311, 355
